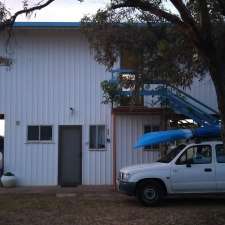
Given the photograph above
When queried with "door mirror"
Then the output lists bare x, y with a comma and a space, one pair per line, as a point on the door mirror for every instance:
188, 165
189, 162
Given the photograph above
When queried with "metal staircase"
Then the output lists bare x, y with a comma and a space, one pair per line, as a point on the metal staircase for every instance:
176, 99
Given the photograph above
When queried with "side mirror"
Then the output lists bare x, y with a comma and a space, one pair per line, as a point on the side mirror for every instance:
188, 163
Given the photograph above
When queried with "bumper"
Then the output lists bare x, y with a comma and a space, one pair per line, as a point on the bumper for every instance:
126, 187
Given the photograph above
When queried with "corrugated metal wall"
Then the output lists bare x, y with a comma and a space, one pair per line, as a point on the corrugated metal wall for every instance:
128, 130
53, 70
204, 91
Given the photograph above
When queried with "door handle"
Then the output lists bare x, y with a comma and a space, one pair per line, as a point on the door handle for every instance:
208, 170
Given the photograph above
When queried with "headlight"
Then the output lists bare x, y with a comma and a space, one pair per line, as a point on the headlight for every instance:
124, 176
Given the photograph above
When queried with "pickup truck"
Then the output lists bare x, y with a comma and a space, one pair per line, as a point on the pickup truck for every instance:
187, 169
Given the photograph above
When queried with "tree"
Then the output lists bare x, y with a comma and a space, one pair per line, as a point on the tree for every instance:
7, 19
197, 31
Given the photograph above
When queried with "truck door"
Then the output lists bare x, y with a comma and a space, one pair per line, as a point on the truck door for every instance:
220, 167
194, 171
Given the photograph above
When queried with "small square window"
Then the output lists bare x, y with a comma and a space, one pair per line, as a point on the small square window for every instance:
39, 133
93, 133
46, 133
97, 137
33, 133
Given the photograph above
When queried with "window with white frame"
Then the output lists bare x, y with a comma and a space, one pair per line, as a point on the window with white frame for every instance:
38, 133
148, 129
97, 137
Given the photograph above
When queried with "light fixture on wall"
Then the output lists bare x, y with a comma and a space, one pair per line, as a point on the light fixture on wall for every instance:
71, 110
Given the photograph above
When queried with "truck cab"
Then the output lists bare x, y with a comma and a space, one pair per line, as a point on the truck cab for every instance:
194, 168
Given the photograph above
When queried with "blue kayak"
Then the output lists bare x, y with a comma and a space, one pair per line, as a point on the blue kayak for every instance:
159, 137
163, 136
212, 131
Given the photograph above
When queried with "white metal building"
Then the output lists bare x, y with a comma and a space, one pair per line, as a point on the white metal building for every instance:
57, 132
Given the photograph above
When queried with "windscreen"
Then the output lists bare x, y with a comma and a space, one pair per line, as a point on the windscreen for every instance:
172, 154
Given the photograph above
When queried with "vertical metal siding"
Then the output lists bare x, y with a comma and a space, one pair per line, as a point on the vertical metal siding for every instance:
128, 130
204, 91
53, 70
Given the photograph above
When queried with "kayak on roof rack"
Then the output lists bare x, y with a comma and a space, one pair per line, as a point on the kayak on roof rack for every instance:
160, 137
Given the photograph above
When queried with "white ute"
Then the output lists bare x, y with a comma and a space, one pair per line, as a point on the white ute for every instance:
195, 168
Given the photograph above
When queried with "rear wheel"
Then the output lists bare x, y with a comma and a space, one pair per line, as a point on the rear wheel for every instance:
150, 193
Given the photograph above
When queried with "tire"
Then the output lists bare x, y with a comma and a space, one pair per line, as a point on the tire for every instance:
150, 193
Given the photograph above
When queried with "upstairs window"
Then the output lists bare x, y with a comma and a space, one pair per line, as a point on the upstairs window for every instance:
97, 136
39, 133
130, 59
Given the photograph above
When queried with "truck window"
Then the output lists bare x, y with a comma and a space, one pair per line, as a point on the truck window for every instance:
198, 154
172, 154
220, 154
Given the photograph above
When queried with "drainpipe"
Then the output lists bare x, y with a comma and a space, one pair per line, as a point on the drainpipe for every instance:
114, 150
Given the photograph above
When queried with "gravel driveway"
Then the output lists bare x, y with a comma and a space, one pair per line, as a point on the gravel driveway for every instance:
106, 208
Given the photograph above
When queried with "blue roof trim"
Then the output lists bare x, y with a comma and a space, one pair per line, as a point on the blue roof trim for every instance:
47, 24
62, 24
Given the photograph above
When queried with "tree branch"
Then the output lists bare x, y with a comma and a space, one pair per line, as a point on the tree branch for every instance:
185, 23
204, 18
147, 6
9, 22
186, 15
184, 12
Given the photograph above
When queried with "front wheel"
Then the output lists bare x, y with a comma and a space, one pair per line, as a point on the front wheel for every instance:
150, 193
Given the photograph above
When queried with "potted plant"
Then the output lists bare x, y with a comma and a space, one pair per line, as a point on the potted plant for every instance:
8, 179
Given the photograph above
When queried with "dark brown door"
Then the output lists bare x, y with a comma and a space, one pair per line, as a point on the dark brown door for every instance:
70, 155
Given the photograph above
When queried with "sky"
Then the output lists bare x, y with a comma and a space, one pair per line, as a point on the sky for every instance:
60, 10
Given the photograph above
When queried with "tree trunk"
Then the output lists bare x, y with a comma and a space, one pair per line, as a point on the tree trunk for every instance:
217, 70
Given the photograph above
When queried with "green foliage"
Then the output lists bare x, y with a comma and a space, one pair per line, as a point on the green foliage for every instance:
4, 12
216, 10
111, 92
165, 54
7, 19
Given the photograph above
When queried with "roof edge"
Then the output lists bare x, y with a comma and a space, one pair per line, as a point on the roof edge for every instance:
46, 24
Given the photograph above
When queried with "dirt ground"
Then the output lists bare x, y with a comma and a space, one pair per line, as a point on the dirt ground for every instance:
106, 208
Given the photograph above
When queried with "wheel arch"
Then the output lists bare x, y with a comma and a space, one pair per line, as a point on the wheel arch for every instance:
156, 180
